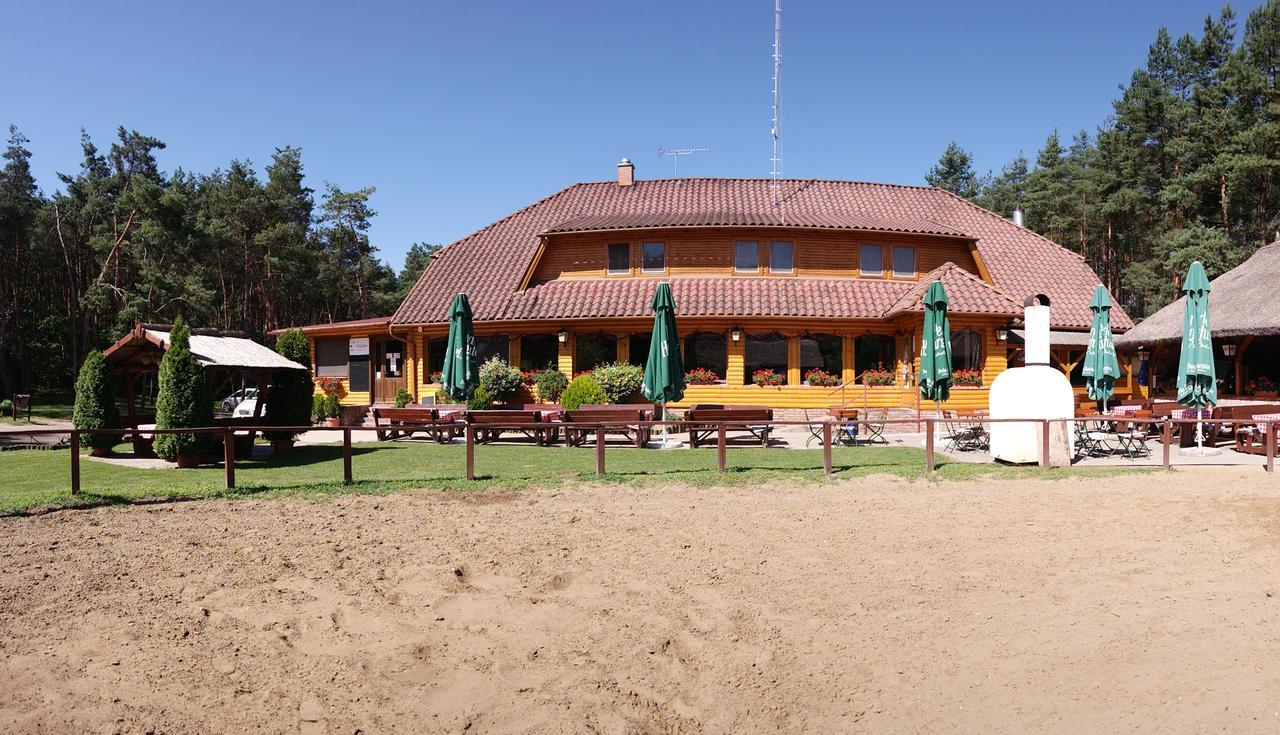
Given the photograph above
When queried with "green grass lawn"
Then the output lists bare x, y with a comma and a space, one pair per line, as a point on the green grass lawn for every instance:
42, 408
41, 479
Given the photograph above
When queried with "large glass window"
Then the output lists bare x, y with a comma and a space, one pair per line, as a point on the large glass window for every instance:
873, 352
539, 351
492, 345
619, 259
709, 350
331, 357
746, 256
638, 348
825, 351
590, 351
904, 261
966, 350
780, 257
435, 358
871, 260
764, 352
653, 257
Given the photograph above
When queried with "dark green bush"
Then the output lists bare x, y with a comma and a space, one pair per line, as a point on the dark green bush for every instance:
551, 384
332, 408
183, 400
480, 399
317, 407
619, 380
95, 406
403, 398
289, 395
582, 390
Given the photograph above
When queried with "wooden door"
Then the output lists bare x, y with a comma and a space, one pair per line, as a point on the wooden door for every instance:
388, 369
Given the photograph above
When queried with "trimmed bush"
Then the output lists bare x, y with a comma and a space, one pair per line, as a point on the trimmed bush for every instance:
619, 380
551, 384
332, 409
6, 407
317, 408
184, 399
403, 398
480, 400
443, 398
582, 390
499, 379
95, 403
289, 395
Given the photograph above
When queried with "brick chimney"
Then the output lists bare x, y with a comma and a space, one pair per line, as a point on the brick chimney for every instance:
626, 172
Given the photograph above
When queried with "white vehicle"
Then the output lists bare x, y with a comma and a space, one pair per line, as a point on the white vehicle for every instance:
235, 399
245, 408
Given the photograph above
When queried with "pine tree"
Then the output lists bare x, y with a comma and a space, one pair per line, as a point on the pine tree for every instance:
95, 406
183, 401
954, 172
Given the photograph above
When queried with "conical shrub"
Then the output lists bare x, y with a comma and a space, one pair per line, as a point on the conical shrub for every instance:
289, 396
184, 400
96, 402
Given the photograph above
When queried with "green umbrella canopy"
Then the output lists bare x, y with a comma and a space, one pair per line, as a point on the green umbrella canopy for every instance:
1197, 378
461, 373
1101, 368
664, 370
935, 346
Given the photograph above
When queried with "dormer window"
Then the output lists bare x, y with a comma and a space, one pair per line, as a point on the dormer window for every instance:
653, 257
904, 261
746, 256
871, 260
619, 259
780, 257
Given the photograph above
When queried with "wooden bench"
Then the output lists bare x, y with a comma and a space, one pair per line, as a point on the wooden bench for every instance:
616, 420
754, 420
440, 423
488, 425
1250, 439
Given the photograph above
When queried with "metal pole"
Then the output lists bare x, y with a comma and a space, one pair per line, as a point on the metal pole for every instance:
346, 456
1044, 444
826, 448
471, 452
1166, 435
75, 462
720, 448
229, 457
928, 444
1271, 447
600, 450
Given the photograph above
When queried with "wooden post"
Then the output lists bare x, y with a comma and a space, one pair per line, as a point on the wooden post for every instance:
1166, 436
1271, 447
346, 456
720, 448
599, 450
928, 445
826, 448
229, 457
75, 462
471, 452
1044, 444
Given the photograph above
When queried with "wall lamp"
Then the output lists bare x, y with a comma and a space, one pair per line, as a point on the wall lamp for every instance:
1002, 334
563, 336
1229, 349
736, 334
1143, 353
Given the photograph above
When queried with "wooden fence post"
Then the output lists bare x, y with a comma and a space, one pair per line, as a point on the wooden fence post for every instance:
346, 457
1166, 436
826, 448
1044, 445
471, 452
75, 462
599, 450
721, 458
928, 445
229, 457
1271, 447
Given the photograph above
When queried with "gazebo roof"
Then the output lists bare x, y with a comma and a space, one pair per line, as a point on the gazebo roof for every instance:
214, 350
1241, 303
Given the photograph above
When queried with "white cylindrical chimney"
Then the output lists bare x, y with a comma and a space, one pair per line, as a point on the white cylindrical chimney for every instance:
1018, 218
1035, 317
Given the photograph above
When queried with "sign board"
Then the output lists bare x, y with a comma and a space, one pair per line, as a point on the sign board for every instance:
358, 347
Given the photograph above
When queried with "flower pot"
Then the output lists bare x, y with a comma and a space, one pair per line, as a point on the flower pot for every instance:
100, 452
333, 422
188, 461
282, 447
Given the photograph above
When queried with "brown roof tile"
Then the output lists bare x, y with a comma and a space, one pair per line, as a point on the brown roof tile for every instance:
814, 220
966, 293
489, 264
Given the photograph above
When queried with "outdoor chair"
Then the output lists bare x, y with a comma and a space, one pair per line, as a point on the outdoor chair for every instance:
960, 436
578, 425
755, 420
844, 421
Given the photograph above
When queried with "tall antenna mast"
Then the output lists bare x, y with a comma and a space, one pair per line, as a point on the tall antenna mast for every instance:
675, 153
776, 173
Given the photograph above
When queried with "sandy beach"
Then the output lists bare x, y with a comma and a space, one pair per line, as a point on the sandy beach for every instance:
1147, 602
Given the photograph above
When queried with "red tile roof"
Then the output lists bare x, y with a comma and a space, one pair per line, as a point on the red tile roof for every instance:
371, 323
489, 264
815, 220
966, 293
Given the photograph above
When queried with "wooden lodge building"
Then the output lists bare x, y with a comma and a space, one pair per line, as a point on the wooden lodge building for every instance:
814, 273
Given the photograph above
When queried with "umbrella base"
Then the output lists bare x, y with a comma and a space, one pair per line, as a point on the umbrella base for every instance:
1200, 452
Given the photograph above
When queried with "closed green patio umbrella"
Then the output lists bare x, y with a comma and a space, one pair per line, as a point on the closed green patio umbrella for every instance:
1197, 378
664, 370
461, 372
935, 346
1101, 368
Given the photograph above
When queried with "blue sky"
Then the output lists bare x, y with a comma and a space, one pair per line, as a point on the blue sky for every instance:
462, 112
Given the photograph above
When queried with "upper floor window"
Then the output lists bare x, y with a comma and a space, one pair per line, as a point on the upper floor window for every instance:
904, 261
619, 259
780, 257
653, 257
871, 260
746, 256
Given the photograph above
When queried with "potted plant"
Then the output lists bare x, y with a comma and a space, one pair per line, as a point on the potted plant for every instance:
317, 408
1262, 387
701, 376
332, 411
768, 377
967, 378
96, 405
183, 401
403, 398
820, 377
619, 380
550, 384
878, 377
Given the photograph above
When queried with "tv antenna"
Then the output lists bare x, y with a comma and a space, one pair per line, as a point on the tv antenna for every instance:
776, 131
675, 153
